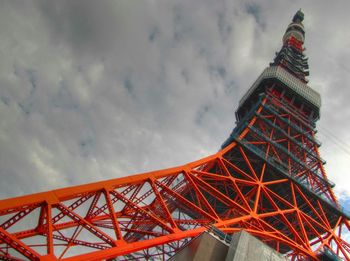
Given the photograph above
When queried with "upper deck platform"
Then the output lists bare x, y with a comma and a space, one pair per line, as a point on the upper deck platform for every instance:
291, 85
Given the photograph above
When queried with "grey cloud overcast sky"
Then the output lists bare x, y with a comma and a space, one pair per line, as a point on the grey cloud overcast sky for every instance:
93, 90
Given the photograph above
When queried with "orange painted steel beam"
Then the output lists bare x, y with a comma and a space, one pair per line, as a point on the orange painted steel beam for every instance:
164, 189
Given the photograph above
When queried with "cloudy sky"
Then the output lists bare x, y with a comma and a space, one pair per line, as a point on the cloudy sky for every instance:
93, 90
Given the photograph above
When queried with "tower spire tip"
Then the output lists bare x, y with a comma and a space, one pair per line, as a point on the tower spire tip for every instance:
298, 17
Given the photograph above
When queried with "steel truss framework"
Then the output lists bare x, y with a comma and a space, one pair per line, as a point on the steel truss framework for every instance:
268, 181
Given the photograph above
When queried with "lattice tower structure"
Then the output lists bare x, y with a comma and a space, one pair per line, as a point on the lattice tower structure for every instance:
267, 179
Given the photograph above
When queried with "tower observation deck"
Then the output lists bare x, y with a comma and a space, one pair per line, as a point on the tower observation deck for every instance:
267, 179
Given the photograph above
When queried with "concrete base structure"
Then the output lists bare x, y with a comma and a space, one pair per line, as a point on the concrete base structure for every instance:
205, 247
247, 247
243, 247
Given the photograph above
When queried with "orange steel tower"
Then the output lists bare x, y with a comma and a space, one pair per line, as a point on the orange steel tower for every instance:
267, 179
